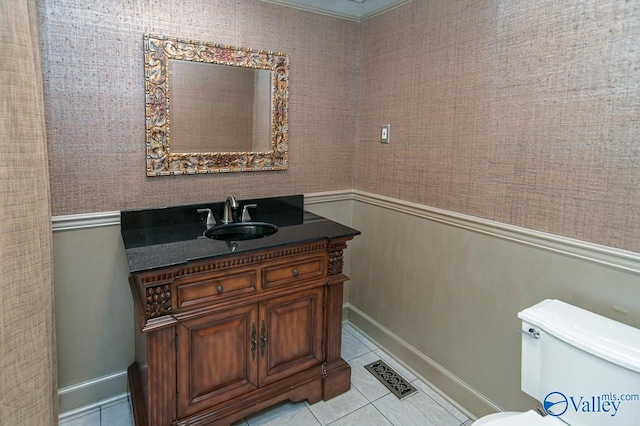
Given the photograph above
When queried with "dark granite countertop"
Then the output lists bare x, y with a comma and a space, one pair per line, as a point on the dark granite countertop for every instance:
167, 236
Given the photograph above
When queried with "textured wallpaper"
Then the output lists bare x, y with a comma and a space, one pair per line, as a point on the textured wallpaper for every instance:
523, 112
93, 69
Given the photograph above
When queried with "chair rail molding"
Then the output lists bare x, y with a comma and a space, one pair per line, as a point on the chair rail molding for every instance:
85, 220
607, 256
624, 260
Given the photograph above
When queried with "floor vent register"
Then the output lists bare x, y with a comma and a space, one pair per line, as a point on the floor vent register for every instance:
392, 380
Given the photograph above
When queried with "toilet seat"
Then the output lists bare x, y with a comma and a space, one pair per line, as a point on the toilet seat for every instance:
514, 418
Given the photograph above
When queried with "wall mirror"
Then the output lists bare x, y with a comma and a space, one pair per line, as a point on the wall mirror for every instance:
212, 108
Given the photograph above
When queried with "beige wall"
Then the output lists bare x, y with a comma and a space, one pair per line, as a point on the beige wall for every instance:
439, 291
94, 315
518, 111
337, 207
94, 99
442, 293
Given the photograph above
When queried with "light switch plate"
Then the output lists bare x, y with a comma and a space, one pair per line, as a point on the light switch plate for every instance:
384, 133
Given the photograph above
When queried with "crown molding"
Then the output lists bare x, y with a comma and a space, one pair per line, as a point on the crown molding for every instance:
351, 10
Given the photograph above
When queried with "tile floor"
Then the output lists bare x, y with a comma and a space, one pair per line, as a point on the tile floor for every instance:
117, 413
367, 403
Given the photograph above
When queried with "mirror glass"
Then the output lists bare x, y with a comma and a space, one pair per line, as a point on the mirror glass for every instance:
212, 108
219, 108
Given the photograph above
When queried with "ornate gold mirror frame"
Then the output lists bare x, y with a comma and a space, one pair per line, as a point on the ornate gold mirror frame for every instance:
159, 51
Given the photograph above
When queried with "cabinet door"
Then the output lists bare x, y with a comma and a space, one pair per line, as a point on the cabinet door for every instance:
217, 358
290, 334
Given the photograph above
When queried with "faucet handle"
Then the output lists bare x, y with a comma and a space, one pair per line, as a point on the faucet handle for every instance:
245, 213
211, 221
230, 206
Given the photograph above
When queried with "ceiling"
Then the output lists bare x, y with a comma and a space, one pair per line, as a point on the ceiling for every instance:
354, 10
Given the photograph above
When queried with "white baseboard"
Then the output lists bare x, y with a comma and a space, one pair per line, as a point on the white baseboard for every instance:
88, 409
457, 392
85, 394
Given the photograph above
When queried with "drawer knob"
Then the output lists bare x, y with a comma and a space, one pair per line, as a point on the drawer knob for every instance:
295, 272
220, 289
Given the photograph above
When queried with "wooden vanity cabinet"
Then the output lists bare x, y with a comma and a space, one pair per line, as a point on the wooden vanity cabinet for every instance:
219, 339
228, 353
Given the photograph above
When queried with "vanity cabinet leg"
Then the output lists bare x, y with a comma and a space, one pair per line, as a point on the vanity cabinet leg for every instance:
337, 376
337, 381
137, 395
333, 314
152, 386
162, 377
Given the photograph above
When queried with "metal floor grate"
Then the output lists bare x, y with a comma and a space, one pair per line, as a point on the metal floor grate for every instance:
392, 380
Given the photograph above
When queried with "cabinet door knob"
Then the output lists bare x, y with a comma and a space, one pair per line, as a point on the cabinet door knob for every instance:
220, 289
295, 272
263, 338
254, 340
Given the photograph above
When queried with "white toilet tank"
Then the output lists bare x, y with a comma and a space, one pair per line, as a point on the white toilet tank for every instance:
583, 367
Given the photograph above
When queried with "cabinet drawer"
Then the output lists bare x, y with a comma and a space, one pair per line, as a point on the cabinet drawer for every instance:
213, 287
295, 270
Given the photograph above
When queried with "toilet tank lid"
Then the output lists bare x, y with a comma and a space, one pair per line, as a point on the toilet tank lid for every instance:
603, 337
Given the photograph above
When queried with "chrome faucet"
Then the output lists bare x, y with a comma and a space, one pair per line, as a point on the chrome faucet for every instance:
229, 206
246, 217
211, 220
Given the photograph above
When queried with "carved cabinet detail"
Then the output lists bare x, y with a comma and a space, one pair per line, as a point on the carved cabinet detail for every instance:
232, 335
